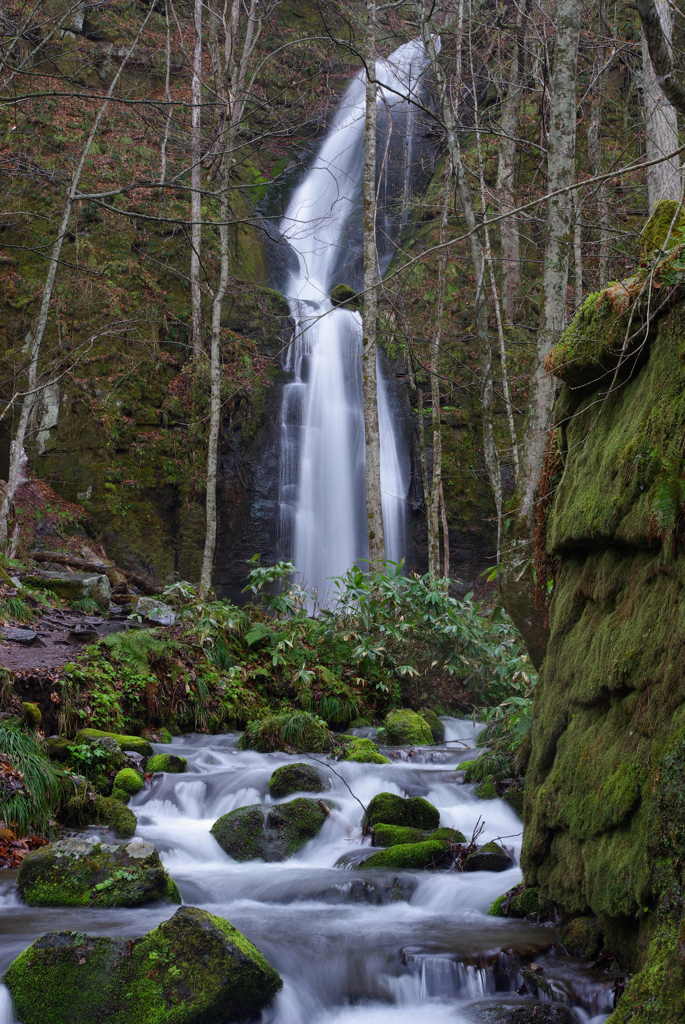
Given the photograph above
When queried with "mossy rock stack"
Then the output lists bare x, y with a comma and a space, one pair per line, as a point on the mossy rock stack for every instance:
76, 873
270, 834
411, 812
101, 810
405, 728
172, 764
362, 751
295, 778
193, 969
127, 783
410, 856
491, 857
134, 743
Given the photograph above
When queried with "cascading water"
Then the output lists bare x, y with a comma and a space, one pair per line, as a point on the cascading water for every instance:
352, 947
322, 476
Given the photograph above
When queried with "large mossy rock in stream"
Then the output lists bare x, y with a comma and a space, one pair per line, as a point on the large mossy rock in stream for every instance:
172, 764
295, 778
134, 743
193, 969
76, 873
396, 835
409, 856
298, 732
268, 833
127, 783
88, 809
404, 728
491, 857
435, 724
411, 812
604, 800
361, 751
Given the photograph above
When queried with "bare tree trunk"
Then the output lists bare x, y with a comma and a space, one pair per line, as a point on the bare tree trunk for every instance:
445, 536
661, 53
661, 121
578, 247
594, 149
374, 507
196, 186
37, 335
518, 587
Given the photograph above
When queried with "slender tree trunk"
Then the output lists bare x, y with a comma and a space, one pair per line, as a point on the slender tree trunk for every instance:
594, 149
196, 187
374, 507
518, 587
37, 334
578, 248
167, 97
445, 536
661, 122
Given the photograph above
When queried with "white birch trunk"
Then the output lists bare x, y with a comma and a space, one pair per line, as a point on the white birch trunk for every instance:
661, 122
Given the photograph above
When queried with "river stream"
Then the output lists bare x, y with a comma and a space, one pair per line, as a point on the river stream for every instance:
352, 947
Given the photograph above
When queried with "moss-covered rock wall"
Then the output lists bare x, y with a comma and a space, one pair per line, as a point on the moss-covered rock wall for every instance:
605, 792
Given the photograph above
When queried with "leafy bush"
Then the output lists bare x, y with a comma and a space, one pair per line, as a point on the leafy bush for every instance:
29, 804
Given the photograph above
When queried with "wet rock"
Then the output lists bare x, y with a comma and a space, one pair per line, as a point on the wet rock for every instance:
77, 873
58, 748
581, 937
412, 812
362, 751
343, 295
491, 857
155, 611
72, 586
127, 783
436, 726
172, 764
410, 856
522, 901
521, 1013
295, 778
405, 728
270, 834
396, 835
135, 743
193, 969
87, 809
18, 636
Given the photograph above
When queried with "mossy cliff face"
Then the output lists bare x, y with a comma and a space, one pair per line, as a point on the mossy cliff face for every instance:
605, 802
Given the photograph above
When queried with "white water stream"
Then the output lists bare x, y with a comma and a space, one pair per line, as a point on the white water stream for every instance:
353, 947
322, 485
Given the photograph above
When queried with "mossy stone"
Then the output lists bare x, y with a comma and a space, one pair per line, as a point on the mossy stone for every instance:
295, 778
436, 726
58, 748
156, 735
172, 764
32, 714
520, 902
134, 743
102, 810
416, 856
343, 295
490, 857
412, 812
76, 873
405, 728
362, 751
270, 834
581, 937
193, 969
396, 835
452, 835
129, 780
486, 790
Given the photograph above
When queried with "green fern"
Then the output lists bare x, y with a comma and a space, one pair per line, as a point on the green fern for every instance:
137, 646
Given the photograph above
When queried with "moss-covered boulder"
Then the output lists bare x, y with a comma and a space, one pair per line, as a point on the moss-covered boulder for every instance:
343, 295
76, 873
270, 834
292, 732
86, 809
363, 751
127, 783
405, 728
295, 778
411, 812
58, 748
396, 835
156, 735
436, 726
134, 743
172, 764
193, 969
410, 856
521, 901
581, 937
491, 857
32, 714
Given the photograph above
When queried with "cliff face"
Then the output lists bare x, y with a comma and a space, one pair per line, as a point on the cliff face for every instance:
605, 800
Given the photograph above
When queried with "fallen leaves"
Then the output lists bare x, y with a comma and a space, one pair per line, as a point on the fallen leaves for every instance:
13, 850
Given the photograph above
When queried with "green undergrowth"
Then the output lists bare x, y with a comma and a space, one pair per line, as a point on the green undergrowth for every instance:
32, 791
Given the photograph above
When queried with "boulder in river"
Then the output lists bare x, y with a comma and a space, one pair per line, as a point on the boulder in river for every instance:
435, 724
295, 778
362, 750
270, 834
410, 856
396, 835
522, 901
413, 811
491, 857
521, 1013
135, 743
127, 783
172, 764
76, 873
88, 809
295, 732
405, 728
193, 969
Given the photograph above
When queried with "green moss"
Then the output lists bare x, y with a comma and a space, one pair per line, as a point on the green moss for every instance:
58, 748
657, 227
405, 728
657, 991
490, 857
452, 835
396, 835
129, 780
295, 778
486, 790
173, 894
134, 743
294, 732
32, 714
172, 764
272, 834
416, 856
412, 812
101, 810
343, 295
362, 751
436, 726
581, 937
240, 833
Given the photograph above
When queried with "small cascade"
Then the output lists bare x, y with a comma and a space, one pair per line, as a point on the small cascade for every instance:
6, 1014
322, 474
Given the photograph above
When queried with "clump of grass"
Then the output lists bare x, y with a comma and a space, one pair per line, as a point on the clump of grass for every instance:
15, 608
87, 605
32, 807
297, 731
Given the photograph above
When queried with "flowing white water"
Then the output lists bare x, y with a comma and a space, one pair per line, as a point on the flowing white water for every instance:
353, 947
322, 487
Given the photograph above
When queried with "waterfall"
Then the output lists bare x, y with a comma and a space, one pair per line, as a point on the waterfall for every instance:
322, 471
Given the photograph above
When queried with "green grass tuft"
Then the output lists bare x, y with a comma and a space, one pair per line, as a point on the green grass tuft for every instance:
45, 785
